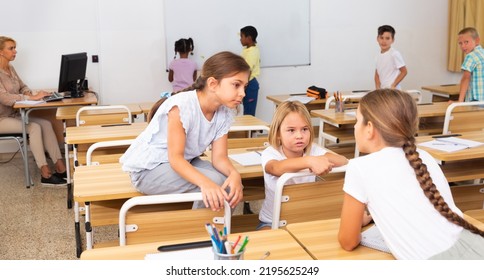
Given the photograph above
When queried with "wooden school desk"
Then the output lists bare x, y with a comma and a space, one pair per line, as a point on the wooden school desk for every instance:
312, 105
67, 114
450, 91
25, 109
465, 154
460, 165
68, 117
106, 182
97, 133
338, 127
320, 239
279, 243
246, 172
146, 108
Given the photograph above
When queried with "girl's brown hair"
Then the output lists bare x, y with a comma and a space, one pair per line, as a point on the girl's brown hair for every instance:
282, 111
221, 65
394, 115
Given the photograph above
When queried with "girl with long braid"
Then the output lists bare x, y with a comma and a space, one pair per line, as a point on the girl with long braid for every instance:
402, 187
165, 157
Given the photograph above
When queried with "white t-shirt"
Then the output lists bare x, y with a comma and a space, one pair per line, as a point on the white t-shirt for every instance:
270, 181
408, 222
388, 66
150, 148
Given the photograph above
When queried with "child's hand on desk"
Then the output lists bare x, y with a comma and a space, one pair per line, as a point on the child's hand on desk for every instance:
234, 183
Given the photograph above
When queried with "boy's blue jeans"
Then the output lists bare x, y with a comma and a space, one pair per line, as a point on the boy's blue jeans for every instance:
250, 99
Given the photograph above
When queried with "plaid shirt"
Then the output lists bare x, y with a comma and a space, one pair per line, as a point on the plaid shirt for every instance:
474, 63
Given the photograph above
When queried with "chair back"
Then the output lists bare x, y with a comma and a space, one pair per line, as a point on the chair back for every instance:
168, 225
107, 151
464, 116
102, 115
318, 200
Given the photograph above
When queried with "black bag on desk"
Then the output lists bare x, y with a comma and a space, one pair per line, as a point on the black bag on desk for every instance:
316, 92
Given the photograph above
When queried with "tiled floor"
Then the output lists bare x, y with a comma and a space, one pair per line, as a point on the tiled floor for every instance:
35, 223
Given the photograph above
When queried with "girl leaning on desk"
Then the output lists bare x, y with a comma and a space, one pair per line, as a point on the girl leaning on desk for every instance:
403, 187
41, 134
165, 157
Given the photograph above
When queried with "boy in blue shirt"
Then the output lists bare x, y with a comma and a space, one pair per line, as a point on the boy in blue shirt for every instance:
472, 81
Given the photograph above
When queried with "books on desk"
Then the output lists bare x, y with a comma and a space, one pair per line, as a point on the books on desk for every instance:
300, 98
450, 144
372, 238
247, 159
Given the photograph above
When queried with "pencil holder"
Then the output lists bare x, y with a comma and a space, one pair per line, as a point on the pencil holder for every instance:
339, 107
235, 256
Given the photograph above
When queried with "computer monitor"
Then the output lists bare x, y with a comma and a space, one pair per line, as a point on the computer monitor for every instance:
72, 74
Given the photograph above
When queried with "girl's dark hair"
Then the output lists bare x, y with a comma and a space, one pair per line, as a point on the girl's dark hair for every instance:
250, 31
221, 65
394, 115
184, 46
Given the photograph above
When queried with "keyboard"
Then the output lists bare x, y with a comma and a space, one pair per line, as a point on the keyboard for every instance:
55, 96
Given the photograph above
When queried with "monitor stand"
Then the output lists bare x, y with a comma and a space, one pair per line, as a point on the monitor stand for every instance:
68, 94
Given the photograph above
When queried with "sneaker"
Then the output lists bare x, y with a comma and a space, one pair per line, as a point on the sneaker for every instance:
53, 180
62, 175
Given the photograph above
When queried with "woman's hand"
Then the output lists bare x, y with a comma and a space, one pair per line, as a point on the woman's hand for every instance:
234, 182
40, 95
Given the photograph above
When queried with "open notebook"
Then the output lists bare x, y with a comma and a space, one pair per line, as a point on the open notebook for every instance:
451, 144
372, 238
247, 159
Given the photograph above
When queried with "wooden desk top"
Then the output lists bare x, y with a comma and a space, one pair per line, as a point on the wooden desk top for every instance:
436, 109
146, 106
102, 182
312, 105
96, 133
320, 238
331, 116
472, 153
246, 172
278, 242
248, 120
69, 113
444, 89
88, 99
278, 99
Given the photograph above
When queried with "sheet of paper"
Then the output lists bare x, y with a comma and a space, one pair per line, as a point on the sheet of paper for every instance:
205, 253
247, 159
30, 102
450, 144
300, 98
372, 238
351, 113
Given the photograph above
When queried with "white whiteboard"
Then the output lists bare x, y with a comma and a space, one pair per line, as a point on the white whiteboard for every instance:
214, 26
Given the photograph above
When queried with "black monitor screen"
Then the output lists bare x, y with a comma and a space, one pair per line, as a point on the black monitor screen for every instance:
72, 74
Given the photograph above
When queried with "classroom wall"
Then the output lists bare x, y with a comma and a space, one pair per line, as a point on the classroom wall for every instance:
129, 39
